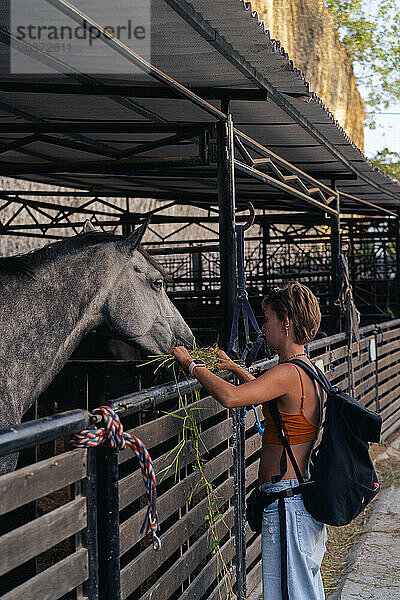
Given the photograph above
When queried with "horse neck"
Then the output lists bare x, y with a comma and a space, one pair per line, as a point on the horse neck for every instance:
44, 319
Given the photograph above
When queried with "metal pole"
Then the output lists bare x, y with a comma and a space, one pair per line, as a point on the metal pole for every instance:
377, 407
227, 234
265, 239
89, 488
108, 524
228, 268
397, 241
335, 324
239, 483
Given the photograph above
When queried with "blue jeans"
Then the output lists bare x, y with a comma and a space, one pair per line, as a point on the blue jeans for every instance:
306, 545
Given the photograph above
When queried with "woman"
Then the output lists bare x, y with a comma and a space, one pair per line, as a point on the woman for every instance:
292, 318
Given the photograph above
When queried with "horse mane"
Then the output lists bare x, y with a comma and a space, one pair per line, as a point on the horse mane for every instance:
23, 265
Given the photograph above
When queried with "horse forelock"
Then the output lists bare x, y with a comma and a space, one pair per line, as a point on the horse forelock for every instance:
166, 276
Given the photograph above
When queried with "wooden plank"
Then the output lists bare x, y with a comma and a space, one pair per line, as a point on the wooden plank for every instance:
253, 444
252, 473
131, 487
174, 498
388, 399
254, 578
35, 537
368, 398
391, 408
389, 335
340, 370
54, 582
361, 389
207, 576
253, 551
162, 429
168, 583
338, 338
216, 594
391, 428
390, 422
361, 362
35, 481
388, 372
383, 362
394, 381
368, 369
388, 348
137, 571
220, 592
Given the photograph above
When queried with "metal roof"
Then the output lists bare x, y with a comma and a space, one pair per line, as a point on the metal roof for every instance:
69, 128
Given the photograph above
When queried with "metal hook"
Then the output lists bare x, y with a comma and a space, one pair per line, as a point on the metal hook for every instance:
156, 542
250, 220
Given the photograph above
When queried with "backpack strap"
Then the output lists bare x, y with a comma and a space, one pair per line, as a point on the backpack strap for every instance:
273, 409
318, 376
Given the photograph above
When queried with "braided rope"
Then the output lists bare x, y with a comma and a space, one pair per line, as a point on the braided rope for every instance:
113, 434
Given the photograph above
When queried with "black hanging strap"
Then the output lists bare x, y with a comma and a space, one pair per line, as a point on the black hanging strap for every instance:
283, 536
249, 353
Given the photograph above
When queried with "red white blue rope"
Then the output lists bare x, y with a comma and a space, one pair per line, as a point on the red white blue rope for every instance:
113, 434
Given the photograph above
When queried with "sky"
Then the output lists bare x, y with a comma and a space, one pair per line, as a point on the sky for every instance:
386, 134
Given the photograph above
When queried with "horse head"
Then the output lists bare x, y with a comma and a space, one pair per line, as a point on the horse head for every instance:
137, 309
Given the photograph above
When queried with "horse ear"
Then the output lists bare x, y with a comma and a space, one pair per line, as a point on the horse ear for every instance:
88, 226
133, 240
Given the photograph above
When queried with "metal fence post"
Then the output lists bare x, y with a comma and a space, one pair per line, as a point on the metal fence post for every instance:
239, 473
108, 524
228, 267
227, 233
397, 243
377, 407
89, 537
335, 321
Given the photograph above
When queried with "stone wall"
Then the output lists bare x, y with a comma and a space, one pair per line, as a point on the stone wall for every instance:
304, 29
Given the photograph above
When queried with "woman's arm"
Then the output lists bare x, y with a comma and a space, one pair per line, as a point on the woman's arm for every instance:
227, 364
271, 384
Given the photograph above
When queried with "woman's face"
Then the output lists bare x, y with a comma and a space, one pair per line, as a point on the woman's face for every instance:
272, 328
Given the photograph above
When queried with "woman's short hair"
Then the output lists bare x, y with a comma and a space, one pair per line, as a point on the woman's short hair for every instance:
297, 302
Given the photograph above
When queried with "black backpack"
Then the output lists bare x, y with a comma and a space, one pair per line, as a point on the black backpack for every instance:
342, 477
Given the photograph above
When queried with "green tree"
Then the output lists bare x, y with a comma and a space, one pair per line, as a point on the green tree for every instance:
372, 39
388, 162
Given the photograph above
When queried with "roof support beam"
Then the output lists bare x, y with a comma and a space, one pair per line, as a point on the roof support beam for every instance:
97, 126
134, 91
283, 187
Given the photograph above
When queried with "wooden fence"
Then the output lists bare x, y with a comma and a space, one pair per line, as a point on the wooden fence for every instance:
82, 548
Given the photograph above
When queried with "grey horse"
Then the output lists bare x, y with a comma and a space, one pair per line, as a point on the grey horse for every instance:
52, 297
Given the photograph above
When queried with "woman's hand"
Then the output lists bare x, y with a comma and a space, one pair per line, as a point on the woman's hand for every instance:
225, 363
182, 355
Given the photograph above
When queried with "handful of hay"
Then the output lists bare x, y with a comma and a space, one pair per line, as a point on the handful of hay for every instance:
208, 355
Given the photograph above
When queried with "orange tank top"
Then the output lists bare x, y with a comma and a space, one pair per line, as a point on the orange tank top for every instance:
296, 425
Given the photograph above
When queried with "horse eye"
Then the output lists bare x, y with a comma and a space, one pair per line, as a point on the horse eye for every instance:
157, 284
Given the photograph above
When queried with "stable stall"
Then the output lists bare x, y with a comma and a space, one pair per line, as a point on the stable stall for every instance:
213, 116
